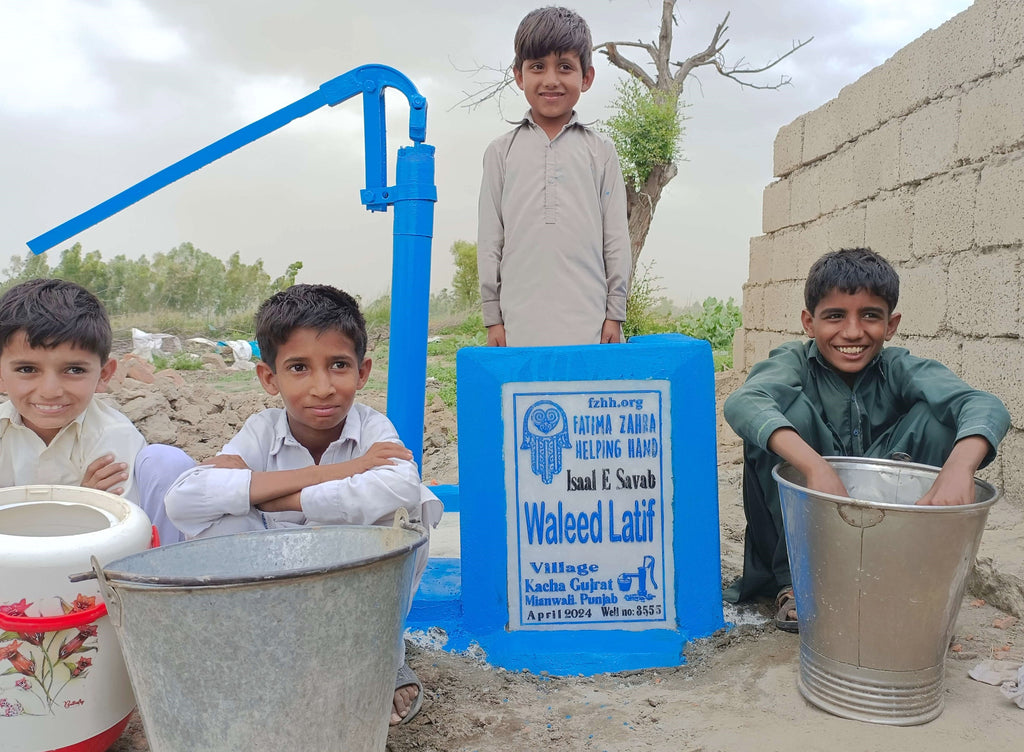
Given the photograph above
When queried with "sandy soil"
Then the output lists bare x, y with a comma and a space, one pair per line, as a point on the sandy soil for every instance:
737, 690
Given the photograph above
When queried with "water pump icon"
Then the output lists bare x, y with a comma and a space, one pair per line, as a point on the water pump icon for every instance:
645, 570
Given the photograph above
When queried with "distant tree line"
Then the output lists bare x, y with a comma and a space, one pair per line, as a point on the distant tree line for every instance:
184, 279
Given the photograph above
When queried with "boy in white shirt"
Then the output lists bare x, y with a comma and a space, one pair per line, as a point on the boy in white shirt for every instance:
324, 459
55, 341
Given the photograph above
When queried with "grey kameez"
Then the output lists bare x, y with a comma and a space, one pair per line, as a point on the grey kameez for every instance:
553, 245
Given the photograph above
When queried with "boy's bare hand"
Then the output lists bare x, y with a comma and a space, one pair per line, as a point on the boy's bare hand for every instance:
382, 453
818, 473
105, 474
226, 462
955, 482
949, 490
823, 479
611, 332
496, 335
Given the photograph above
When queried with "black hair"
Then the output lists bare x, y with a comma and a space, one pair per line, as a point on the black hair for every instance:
850, 270
319, 307
52, 312
552, 29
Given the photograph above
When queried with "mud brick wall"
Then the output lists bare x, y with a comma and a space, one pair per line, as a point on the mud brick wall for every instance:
921, 159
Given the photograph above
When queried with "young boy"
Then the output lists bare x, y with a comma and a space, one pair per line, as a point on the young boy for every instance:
324, 459
842, 394
55, 342
553, 248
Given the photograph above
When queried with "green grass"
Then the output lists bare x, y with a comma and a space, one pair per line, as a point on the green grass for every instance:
441, 355
445, 374
181, 361
233, 381
713, 320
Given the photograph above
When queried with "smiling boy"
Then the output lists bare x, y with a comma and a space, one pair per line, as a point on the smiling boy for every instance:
843, 394
322, 459
55, 341
553, 247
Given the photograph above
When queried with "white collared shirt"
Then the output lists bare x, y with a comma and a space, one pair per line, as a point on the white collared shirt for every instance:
25, 459
207, 501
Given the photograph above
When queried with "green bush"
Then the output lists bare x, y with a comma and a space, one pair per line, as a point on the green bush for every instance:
715, 321
643, 306
646, 129
181, 361
469, 325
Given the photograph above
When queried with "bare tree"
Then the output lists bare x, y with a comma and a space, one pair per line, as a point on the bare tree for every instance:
665, 84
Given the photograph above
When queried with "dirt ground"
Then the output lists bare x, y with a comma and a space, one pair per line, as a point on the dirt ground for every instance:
737, 690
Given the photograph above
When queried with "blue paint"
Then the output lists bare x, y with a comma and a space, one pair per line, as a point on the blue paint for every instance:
413, 197
686, 364
449, 496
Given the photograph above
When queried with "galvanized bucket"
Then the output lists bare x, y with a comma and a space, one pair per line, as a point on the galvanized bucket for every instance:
878, 584
273, 640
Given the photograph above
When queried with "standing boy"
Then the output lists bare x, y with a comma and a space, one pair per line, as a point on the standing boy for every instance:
842, 394
55, 342
553, 248
324, 459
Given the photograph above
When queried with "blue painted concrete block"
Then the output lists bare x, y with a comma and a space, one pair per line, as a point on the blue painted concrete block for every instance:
588, 503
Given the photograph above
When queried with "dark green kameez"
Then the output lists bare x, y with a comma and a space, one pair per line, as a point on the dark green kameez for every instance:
898, 404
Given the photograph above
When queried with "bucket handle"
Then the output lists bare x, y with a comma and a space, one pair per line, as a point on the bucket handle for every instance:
109, 594
403, 522
859, 516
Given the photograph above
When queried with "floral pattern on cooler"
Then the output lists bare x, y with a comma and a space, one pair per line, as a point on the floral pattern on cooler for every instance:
42, 664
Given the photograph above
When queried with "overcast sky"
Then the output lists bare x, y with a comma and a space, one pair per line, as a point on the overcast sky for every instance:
96, 95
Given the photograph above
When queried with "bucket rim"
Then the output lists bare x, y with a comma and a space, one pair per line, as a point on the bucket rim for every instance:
867, 504
163, 582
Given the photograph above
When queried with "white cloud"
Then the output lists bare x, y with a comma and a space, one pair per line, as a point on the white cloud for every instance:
888, 25
52, 46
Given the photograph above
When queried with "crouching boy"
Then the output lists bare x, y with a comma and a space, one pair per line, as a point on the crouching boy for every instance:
842, 394
324, 459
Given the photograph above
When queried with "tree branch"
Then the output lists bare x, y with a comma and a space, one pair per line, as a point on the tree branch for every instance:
705, 56
734, 71
713, 55
489, 90
611, 51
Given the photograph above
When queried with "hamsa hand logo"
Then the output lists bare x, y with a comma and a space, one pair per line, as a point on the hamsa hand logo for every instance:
545, 434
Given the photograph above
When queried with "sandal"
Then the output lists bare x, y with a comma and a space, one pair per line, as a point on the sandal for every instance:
407, 677
785, 602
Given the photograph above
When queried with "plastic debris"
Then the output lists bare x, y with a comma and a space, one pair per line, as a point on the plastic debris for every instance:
145, 344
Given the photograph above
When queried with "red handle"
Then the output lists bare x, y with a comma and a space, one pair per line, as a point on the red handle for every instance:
75, 619
26, 624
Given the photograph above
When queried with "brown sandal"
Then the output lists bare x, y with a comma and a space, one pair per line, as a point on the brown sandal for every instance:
785, 602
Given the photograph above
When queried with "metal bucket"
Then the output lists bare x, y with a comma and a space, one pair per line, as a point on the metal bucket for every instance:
878, 585
272, 640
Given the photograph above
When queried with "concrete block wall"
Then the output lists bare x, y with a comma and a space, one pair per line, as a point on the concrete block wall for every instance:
922, 160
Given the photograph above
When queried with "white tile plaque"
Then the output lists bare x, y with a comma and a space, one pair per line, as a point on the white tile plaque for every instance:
589, 505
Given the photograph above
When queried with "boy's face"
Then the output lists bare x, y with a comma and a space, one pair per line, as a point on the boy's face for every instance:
50, 387
850, 329
317, 376
553, 85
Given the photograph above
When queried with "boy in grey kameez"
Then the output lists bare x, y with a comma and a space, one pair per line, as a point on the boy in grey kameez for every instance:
553, 246
842, 394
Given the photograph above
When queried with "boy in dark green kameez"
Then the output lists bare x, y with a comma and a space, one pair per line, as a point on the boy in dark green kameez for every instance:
842, 394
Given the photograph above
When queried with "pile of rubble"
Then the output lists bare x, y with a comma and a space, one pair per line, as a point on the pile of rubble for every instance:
192, 415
